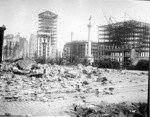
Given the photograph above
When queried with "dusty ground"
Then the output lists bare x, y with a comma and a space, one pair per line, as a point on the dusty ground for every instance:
127, 86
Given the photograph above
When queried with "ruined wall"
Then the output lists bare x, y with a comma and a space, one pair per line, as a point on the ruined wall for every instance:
135, 56
2, 29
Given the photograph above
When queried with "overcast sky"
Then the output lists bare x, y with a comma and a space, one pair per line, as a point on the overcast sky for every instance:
22, 16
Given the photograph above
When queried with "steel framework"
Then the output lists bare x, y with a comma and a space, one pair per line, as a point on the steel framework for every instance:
123, 36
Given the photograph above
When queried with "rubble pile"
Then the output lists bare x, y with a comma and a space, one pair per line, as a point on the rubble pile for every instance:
35, 81
19, 79
123, 109
25, 80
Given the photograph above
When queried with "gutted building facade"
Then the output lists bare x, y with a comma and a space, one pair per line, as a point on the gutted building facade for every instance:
124, 40
32, 46
15, 47
47, 35
8, 46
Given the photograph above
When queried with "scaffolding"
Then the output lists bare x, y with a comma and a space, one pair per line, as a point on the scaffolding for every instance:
48, 25
47, 34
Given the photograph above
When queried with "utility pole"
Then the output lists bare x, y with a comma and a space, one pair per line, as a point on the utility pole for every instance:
71, 36
2, 29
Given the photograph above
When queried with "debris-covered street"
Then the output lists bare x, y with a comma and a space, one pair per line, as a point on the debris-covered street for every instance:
44, 89
74, 58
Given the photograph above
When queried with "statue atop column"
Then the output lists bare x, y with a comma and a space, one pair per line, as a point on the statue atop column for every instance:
90, 19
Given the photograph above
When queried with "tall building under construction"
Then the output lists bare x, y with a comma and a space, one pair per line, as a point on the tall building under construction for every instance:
124, 40
47, 35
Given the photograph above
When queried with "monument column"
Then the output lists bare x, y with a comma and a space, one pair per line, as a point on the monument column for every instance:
89, 55
89, 41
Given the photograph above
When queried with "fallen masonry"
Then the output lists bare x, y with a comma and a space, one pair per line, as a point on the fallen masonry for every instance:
110, 110
61, 86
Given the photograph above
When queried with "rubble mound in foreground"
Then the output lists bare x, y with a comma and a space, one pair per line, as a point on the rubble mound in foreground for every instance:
22, 82
123, 109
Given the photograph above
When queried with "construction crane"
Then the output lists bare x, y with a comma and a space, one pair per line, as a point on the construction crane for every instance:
105, 16
125, 14
110, 19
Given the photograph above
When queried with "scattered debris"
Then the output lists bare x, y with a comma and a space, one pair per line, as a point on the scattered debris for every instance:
12, 98
20, 81
84, 71
25, 63
102, 80
7, 114
85, 83
109, 110
108, 91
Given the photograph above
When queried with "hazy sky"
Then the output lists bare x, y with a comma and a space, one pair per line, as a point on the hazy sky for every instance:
22, 16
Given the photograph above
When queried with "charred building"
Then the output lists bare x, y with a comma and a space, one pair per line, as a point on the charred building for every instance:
15, 47
32, 46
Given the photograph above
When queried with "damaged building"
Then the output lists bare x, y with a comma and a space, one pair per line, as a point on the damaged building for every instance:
47, 35
80, 49
124, 40
14, 47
